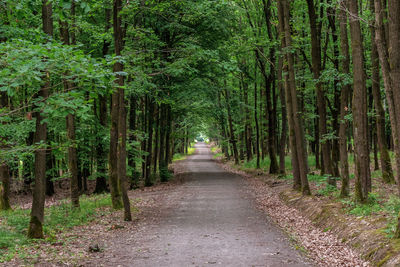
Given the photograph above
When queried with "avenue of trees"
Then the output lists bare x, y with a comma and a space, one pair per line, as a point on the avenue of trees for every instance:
110, 90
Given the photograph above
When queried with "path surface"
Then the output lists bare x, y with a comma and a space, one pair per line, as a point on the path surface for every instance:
213, 222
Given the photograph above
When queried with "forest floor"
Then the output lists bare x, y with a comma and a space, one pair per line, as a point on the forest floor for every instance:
205, 216
324, 222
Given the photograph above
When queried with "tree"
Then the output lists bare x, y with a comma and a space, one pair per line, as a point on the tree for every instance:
35, 229
360, 123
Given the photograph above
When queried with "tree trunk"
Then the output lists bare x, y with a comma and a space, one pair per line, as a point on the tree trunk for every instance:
232, 133
344, 101
101, 154
132, 137
157, 137
119, 121
360, 121
283, 137
147, 178
256, 118
4, 187
386, 165
35, 229
72, 161
168, 142
296, 119
321, 105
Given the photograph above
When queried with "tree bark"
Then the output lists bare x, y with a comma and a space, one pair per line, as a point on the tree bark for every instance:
230, 123
344, 101
299, 157
360, 119
321, 104
386, 165
72, 160
256, 118
283, 137
147, 179
35, 229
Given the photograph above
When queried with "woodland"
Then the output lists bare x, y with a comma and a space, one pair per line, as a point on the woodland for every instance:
101, 96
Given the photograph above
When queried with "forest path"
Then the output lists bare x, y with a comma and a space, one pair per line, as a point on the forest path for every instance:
212, 222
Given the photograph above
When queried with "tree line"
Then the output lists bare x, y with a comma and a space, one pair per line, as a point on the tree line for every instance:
110, 90
101, 90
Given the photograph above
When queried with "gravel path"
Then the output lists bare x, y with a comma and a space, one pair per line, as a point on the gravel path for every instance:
213, 222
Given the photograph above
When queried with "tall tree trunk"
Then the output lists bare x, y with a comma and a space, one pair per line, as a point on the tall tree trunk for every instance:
115, 111
35, 229
72, 161
147, 180
344, 101
230, 123
4, 169
157, 137
283, 137
168, 143
291, 83
389, 47
360, 121
249, 155
119, 121
321, 104
256, 118
4, 187
70, 126
101, 154
162, 165
386, 165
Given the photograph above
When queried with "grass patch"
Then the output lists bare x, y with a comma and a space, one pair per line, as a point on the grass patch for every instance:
181, 156
14, 224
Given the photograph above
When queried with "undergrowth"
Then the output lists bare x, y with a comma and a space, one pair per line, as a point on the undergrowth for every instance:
58, 218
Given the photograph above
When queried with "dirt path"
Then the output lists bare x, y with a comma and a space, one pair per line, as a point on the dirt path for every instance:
212, 222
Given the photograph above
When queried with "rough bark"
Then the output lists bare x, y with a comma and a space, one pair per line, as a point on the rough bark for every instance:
257, 146
386, 165
230, 123
35, 229
321, 103
147, 178
101, 153
344, 101
360, 121
72, 160
4, 187
283, 137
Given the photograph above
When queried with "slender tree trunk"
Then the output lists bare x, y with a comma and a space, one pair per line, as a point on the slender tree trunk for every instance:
119, 121
122, 156
101, 154
249, 155
283, 137
344, 102
162, 165
4, 187
360, 121
70, 126
168, 142
72, 161
5, 178
132, 137
35, 229
291, 83
230, 122
256, 118
321, 104
147, 180
386, 165
157, 137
